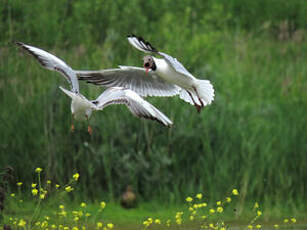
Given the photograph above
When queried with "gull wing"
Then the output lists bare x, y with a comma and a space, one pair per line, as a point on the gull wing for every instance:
52, 62
130, 77
137, 105
140, 44
144, 46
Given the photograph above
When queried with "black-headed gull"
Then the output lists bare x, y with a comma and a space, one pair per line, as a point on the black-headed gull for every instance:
164, 76
81, 107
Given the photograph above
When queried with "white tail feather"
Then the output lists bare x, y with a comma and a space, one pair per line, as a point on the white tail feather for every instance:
205, 91
67, 92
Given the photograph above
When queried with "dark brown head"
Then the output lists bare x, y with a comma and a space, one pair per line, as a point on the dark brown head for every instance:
149, 63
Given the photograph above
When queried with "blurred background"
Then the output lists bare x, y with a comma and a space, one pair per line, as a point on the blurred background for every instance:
253, 137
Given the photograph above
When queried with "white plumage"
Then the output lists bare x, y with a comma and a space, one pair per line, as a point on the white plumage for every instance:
164, 76
81, 107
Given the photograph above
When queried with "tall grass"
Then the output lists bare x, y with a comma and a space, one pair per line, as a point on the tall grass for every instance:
252, 137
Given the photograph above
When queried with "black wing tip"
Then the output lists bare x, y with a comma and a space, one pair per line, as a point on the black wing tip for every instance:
131, 35
29, 51
149, 47
18, 43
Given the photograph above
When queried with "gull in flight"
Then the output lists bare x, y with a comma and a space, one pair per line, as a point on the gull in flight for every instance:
164, 76
81, 107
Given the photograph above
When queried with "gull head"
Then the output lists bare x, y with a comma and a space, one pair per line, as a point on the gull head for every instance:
149, 63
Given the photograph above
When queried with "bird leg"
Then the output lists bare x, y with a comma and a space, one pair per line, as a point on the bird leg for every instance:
89, 128
198, 107
72, 128
201, 102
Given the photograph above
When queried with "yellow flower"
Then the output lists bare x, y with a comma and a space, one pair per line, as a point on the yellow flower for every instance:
48, 181
87, 214
53, 226
38, 170
47, 217
61, 206
99, 224
222, 228
250, 226
219, 209
191, 209
235, 192
12, 194
44, 224
102, 204
68, 188
22, 223
203, 204
204, 217
76, 176
110, 225
19, 184
63, 213
211, 225
276, 226
212, 211
66, 228
33, 185
75, 228
189, 199
83, 205
191, 217
259, 213
57, 186
293, 220
219, 203
199, 196
256, 205
76, 218
168, 223
258, 226
157, 221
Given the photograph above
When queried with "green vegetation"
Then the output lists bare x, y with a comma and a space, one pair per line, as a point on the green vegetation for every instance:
253, 137
45, 205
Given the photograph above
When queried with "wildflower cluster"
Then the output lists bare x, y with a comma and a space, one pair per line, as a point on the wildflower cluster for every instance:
81, 218
199, 210
63, 218
178, 218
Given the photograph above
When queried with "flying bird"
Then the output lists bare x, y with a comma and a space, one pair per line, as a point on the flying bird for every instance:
164, 76
81, 107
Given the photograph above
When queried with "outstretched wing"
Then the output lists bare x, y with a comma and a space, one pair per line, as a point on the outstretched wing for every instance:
130, 77
144, 46
52, 62
137, 105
